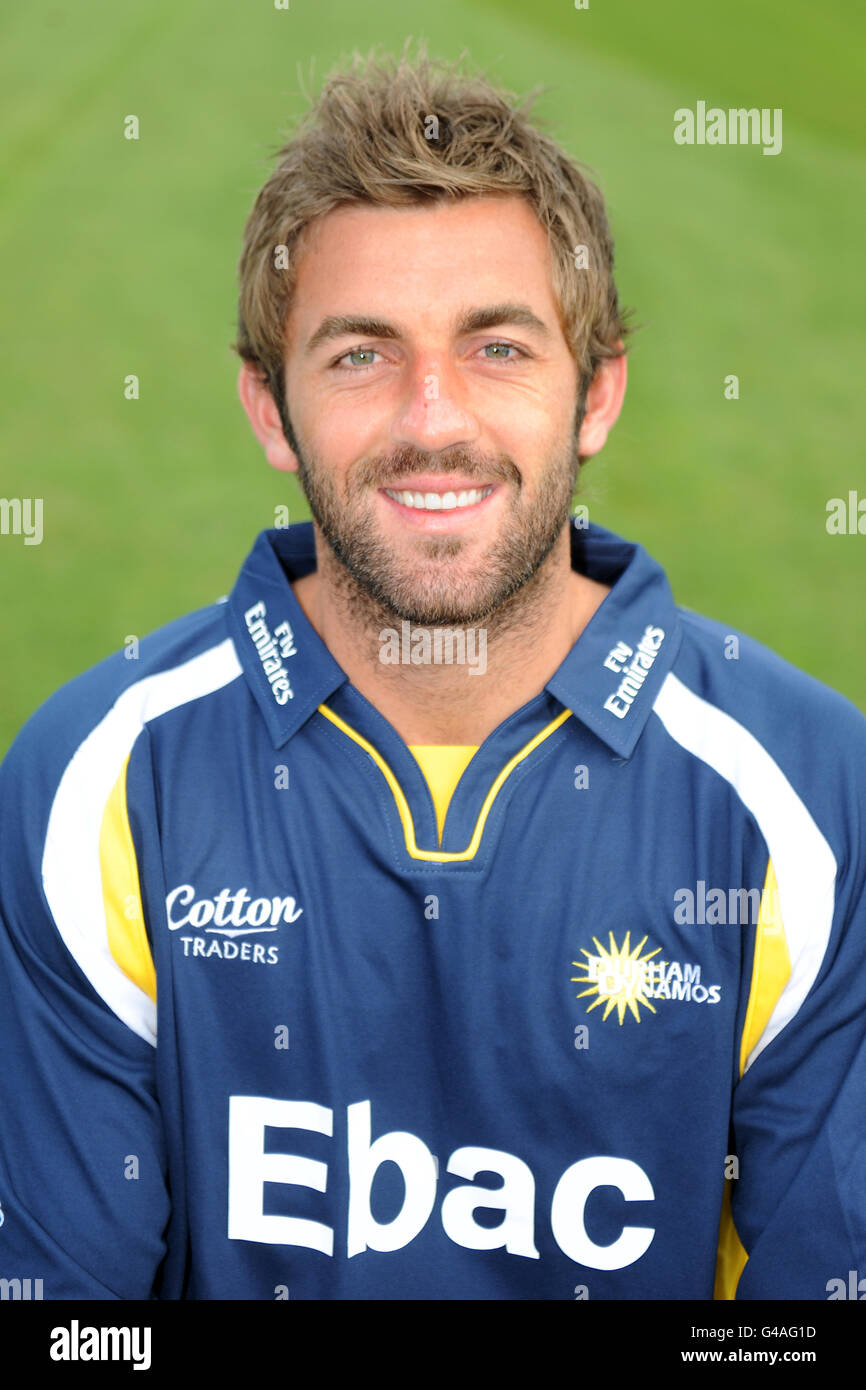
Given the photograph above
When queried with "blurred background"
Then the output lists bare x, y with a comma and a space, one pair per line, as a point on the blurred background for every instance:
119, 256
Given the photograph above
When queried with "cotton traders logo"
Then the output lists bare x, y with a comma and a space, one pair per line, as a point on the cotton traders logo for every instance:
621, 978
229, 915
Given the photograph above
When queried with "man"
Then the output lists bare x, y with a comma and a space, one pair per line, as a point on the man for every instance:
445, 914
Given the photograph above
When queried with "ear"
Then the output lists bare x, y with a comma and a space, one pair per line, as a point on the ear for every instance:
603, 403
264, 417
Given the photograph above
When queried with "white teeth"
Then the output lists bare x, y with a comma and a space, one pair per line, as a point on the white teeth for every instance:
440, 501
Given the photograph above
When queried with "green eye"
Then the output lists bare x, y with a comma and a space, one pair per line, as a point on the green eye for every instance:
499, 349
366, 353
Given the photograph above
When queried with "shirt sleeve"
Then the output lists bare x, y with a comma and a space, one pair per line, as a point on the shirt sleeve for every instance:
84, 1201
794, 1221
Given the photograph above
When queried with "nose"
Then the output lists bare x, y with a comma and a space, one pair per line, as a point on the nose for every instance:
433, 412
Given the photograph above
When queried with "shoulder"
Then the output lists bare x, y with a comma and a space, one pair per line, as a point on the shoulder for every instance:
768, 726
756, 685
70, 891
113, 700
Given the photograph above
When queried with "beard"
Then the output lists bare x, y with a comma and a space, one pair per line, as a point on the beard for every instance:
439, 580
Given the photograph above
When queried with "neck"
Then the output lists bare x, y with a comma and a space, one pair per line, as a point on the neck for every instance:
494, 669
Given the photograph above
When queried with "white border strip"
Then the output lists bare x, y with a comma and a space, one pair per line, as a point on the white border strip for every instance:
803, 860
71, 874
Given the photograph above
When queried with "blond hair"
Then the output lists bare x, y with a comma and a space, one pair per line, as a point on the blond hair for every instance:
399, 132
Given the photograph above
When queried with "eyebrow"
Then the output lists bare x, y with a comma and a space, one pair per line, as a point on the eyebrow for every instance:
470, 321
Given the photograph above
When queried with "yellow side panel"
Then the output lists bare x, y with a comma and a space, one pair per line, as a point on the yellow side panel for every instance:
731, 1257
121, 891
771, 971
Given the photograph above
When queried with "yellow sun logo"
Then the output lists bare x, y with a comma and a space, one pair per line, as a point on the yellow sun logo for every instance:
619, 977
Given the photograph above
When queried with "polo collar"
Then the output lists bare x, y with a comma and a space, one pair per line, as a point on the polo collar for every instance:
609, 679
287, 665
615, 669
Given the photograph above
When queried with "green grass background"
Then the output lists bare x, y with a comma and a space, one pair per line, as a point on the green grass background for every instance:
119, 257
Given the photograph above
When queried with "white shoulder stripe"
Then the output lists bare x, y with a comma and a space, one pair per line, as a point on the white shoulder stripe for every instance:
803, 860
71, 874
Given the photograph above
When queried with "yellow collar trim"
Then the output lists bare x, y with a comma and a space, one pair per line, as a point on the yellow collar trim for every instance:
432, 855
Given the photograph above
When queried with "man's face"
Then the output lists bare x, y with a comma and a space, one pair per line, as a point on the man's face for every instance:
432, 397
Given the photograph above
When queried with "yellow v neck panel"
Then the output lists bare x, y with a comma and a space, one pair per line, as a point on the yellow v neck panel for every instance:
443, 764
439, 856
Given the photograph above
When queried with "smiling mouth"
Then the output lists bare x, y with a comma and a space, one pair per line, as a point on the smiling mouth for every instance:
439, 501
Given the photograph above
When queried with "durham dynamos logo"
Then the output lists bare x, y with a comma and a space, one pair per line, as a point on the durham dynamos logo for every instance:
230, 915
622, 978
